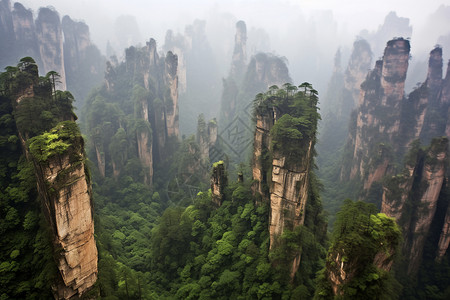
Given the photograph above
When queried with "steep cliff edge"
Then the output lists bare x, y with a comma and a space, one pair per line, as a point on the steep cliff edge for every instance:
50, 39
387, 122
360, 62
59, 46
388, 132
361, 255
135, 118
412, 198
51, 140
284, 139
378, 115
66, 194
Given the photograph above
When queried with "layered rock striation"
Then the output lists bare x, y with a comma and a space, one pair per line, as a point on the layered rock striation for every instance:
219, 181
387, 132
62, 47
283, 152
412, 198
67, 198
153, 92
53, 143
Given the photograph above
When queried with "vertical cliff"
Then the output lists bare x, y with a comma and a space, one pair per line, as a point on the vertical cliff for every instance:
76, 42
361, 255
284, 139
171, 97
52, 141
83, 63
378, 115
412, 198
239, 59
388, 132
206, 137
355, 73
338, 110
65, 189
135, 114
63, 47
219, 182
261, 161
50, 39
26, 42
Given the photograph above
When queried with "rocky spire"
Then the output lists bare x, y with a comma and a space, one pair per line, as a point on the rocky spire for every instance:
381, 99
239, 60
219, 181
50, 39
360, 62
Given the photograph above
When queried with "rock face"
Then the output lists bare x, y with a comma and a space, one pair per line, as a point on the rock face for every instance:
281, 176
83, 62
50, 39
381, 97
63, 47
64, 186
362, 249
26, 41
171, 80
360, 62
412, 198
76, 42
154, 93
387, 124
206, 137
70, 213
218, 182
239, 60
261, 146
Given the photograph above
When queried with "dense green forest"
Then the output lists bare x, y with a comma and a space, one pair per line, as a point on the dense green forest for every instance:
154, 242
159, 230
30, 131
197, 169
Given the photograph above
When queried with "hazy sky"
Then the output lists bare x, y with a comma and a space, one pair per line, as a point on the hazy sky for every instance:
334, 23
155, 17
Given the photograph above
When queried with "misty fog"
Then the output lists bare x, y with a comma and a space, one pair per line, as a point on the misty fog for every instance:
306, 34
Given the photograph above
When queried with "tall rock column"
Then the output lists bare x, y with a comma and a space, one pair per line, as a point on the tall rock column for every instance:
66, 193
445, 98
360, 62
261, 146
239, 60
50, 39
219, 182
378, 115
63, 183
171, 80
444, 239
26, 43
432, 177
412, 196
282, 160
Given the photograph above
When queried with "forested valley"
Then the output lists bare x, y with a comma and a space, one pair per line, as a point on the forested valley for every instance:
160, 173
